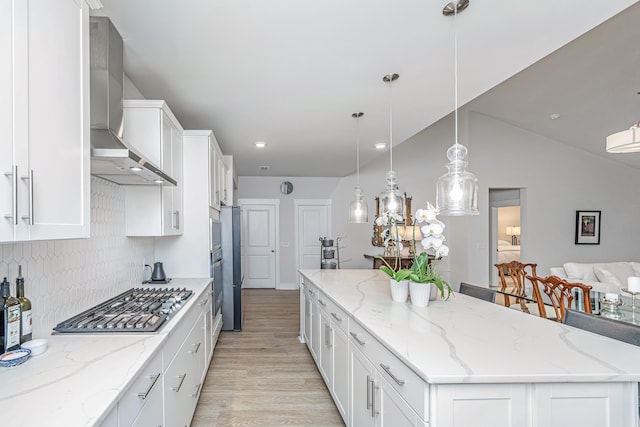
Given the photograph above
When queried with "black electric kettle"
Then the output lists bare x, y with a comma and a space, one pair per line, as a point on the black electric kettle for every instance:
158, 273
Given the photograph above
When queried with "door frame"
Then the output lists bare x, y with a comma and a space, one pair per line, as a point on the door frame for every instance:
493, 225
308, 202
276, 204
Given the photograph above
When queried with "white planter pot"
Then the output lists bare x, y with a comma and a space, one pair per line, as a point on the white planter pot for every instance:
435, 293
420, 293
399, 290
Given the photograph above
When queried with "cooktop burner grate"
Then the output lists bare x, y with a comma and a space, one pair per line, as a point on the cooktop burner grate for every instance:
136, 310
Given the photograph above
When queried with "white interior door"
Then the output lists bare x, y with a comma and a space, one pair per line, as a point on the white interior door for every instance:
313, 222
259, 240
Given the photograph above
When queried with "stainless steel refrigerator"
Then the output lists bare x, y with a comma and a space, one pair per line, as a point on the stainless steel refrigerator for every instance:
232, 277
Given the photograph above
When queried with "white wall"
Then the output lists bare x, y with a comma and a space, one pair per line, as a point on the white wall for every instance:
557, 180
256, 187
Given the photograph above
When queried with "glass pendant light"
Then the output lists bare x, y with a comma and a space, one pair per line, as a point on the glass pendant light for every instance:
358, 209
391, 200
457, 190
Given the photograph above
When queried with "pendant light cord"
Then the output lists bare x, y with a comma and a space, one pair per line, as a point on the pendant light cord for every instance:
358, 150
455, 72
390, 124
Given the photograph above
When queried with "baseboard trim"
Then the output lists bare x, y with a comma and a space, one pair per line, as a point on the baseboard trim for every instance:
288, 287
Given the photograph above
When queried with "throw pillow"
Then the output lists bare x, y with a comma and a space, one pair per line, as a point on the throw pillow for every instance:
621, 270
605, 276
580, 271
636, 268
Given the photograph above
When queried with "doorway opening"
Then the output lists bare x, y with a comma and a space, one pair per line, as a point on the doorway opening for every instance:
505, 228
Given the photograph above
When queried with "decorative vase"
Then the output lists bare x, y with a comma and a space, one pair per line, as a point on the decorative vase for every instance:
399, 290
420, 293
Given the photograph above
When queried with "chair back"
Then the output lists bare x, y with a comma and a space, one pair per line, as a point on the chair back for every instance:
479, 292
513, 274
615, 329
559, 292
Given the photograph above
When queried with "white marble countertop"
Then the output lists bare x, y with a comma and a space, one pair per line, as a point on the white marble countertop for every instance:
467, 340
80, 377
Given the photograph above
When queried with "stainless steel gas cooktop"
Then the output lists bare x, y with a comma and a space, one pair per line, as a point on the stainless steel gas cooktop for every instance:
136, 310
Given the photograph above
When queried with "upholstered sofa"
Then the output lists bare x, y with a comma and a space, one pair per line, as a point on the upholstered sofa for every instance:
602, 277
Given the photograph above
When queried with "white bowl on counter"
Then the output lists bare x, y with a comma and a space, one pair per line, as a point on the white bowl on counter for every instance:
37, 347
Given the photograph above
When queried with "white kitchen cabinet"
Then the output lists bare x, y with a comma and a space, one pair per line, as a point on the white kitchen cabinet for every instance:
316, 323
146, 388
325, 357
151, 415
217, 172
374, 401
183, 379
340, 386
306, 325
231, 182
44, 120
222, 179
152, 129
362, 379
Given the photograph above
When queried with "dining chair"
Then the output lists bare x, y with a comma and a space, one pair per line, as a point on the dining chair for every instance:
513, 274
479, 292
559, 293
621, 331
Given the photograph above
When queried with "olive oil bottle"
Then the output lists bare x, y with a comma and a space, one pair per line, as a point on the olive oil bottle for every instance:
25, 308
11, 324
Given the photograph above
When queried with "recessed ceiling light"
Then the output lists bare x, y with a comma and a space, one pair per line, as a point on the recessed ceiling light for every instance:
135, 168
261, 144
264, 168
380, 145
554, 116
158, 181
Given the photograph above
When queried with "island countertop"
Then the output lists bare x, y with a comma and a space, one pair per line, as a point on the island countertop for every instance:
467, 340
80, 377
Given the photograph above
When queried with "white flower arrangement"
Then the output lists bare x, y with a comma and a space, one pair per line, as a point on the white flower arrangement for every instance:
432, 230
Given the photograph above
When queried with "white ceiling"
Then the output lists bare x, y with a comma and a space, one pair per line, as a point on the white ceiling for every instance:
291, 72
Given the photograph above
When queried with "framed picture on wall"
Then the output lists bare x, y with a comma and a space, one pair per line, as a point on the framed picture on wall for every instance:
588, 227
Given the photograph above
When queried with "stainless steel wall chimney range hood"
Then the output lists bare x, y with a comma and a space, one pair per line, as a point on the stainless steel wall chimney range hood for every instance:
111, 157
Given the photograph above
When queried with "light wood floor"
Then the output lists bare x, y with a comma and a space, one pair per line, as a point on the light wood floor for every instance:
263, 376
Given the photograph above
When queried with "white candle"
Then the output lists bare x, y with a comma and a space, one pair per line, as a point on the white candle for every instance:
611, 297
633, 284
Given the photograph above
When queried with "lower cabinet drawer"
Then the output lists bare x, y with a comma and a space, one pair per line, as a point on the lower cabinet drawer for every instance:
407, 383
139, 393
183, 379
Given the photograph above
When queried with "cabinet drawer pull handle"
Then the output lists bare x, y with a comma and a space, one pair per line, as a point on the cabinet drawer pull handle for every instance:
154, 380
369, 392
14, 197
197, 348
177, 216
373, 399
387, 369
204, 302
358, 340
181, 377
335, 316
322, 303
30, 179
197, 391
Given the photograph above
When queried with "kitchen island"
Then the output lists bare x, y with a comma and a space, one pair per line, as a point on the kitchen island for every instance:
459, 362
94, 379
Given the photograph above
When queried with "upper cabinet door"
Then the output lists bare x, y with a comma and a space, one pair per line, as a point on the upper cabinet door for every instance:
214, 180
48, 111
8, 215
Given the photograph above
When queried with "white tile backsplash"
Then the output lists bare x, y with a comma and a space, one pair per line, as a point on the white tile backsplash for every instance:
65, 277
